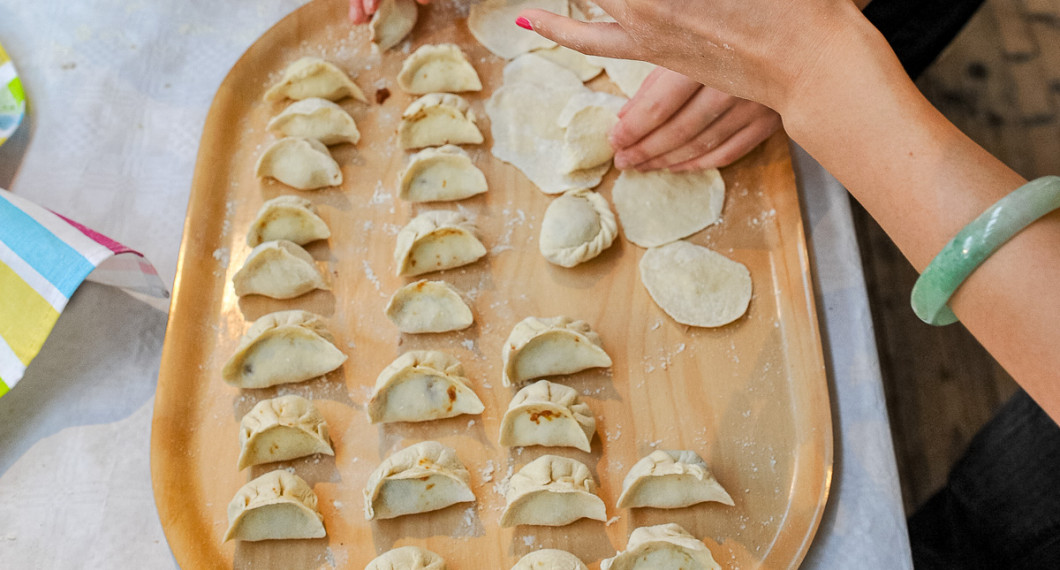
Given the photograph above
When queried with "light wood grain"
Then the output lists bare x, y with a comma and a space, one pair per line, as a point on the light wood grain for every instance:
751, 397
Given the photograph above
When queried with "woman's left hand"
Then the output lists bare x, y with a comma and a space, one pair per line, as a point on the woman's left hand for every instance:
361, 10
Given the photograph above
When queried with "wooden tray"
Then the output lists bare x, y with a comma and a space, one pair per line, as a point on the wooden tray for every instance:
750, 397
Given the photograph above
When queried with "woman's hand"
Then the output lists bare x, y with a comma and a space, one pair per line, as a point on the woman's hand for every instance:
361, 10
755, 49
677, 123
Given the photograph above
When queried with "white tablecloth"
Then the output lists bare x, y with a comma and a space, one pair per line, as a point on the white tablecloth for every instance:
119, 91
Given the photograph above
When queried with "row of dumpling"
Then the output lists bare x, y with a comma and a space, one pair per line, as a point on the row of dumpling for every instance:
648, 548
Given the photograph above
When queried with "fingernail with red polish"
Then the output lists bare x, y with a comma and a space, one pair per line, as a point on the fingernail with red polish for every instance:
523, 23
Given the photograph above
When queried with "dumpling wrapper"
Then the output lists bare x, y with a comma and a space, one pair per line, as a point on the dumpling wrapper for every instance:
524, 115
428, 307
627, 74
438, 68
670, 480
407, 558
577, 227
554, 346
696, 286
314, 77
316, 118
283, 348
276, 505
392, 22
587, 120
420, 386
436, 240
282, 428
438, 119
552, 491
550, 559
423, 477
440, 174
287, 217
578, 63
279, 269
550, 415
662, 546
659, 207
300, 163
492, 22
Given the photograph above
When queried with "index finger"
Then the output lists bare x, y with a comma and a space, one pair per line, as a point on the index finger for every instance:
663, 93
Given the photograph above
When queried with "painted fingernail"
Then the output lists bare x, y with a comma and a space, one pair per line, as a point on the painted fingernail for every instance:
523, 23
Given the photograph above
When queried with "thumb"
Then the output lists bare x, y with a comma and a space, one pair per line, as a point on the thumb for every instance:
606, 39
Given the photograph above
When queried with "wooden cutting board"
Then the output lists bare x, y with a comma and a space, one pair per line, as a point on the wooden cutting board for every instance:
751, 397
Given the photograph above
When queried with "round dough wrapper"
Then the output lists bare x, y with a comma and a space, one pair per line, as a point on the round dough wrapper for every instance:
659, 207
696, 286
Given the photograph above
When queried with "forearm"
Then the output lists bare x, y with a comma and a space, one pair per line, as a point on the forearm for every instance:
923, 180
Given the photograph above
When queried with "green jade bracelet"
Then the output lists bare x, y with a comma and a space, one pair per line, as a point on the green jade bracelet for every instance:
976, 242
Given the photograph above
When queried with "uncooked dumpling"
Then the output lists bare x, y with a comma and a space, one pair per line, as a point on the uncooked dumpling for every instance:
428, 307
524, 114
578, 63
424, 477
422, 385
696, 286
279, 269
440, 174
438, 119
282, 428
550, 559
660, 206
276, 505
392, 22
577, 227
662, 546
492, 22
316, 118
552, 491
670, 480
548, 414
289, 218
434, 241
587, 120
283, 348
300, 163
407, 558
627, 74
438, 68
314, 77
550, 347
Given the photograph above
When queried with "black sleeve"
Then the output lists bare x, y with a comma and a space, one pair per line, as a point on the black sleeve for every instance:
918, 30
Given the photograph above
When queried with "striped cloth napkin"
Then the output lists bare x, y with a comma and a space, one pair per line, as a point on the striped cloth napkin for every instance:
44, 257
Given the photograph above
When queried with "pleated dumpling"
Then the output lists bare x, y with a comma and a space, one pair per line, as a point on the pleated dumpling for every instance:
662, 546
276, 505
549, 347
279, 269
314, 77
428, 307
316, 118
552, 491
283, 348
282, 428
577, 227
436, 240
423, 477
289, 218
670, 480
438, 119
438, 68
392, 22
440, 174
407, 558
422, 385
300, 163
550, 559
548, 414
